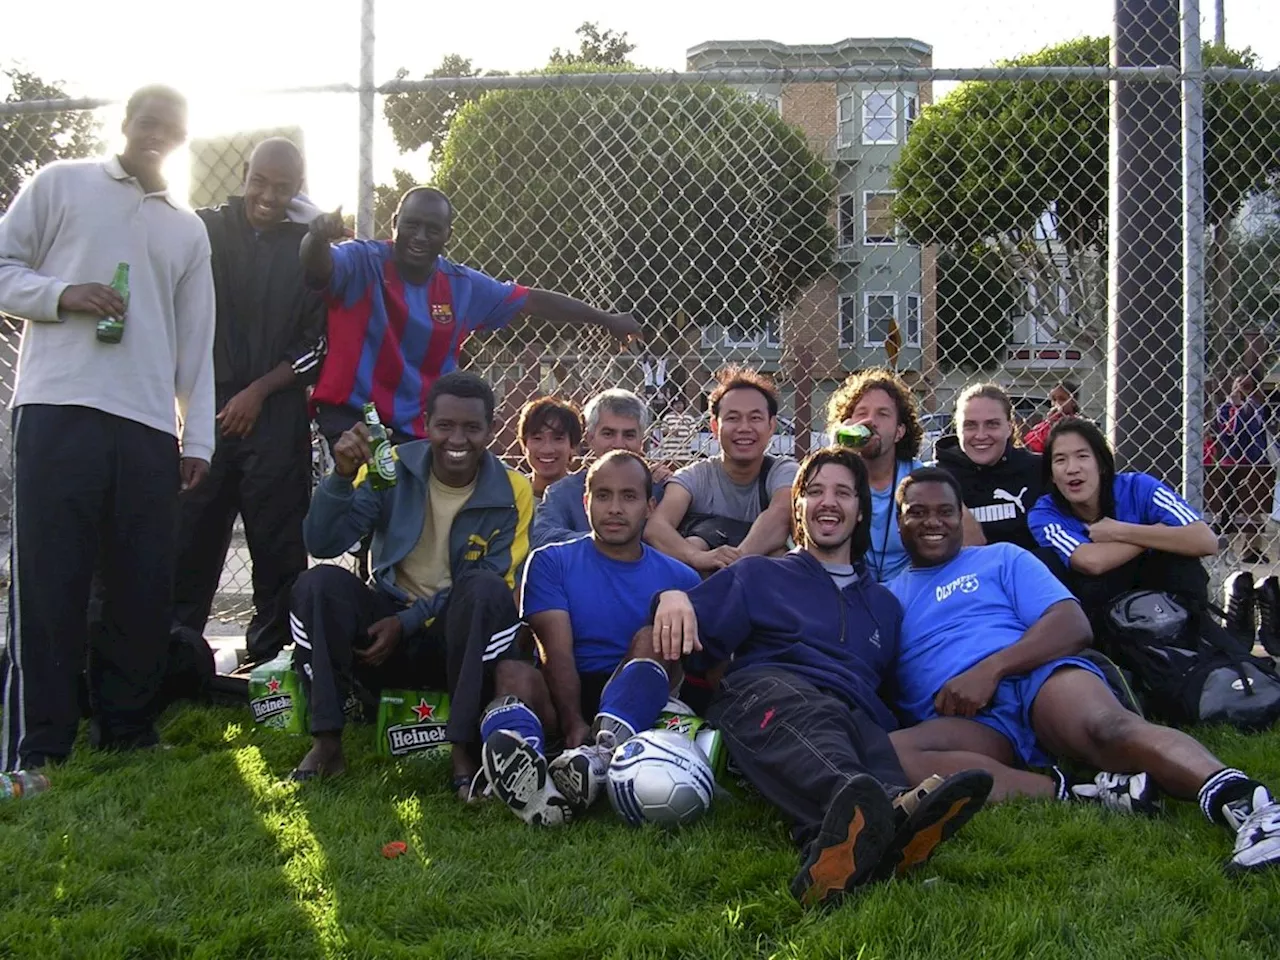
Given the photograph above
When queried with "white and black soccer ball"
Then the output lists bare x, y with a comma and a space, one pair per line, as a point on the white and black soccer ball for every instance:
660, 777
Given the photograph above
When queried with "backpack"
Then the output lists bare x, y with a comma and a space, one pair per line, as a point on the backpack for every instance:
1187, 666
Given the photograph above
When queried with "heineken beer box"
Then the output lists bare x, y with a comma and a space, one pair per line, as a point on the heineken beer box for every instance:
276, 697
412, 722
678, 718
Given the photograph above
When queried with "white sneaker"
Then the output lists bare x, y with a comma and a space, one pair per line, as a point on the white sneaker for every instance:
1257, 822
1121, 792
517, 774
580, 773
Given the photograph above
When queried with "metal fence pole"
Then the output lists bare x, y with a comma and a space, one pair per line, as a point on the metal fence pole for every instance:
364, 210
1193, 242
1219, 23
1144, 349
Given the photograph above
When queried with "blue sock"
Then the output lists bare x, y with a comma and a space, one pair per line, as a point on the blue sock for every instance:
512, 713
635, 696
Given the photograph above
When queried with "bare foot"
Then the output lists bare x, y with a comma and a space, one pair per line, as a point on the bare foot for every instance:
464, 772
324, 759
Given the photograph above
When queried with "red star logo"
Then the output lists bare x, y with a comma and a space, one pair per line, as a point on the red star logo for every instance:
673, 723
424, 710
273, 685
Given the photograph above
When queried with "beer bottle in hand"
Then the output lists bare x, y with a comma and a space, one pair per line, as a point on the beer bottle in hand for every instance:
382, 463
111, 329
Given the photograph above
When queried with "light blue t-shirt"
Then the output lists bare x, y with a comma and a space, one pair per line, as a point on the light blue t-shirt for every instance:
887, 556
607, 600
961, 612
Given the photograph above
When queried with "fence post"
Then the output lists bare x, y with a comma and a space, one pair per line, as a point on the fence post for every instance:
1193, 241
803, 403
1144, 332
364, 209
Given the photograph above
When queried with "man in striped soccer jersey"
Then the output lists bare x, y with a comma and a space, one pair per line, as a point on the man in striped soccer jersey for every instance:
399, 313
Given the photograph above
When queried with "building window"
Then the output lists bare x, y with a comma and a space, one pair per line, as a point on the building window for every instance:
910, 110
849, 320
879, 117
880, 313
846, 220
877, 218
845, 120
911, 322
771, 100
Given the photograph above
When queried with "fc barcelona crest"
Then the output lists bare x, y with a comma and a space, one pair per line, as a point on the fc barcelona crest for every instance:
441, 313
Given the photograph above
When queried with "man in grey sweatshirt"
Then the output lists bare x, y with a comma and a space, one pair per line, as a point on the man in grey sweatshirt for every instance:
105, 434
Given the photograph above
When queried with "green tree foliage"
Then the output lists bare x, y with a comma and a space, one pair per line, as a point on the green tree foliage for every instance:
386, 198
421, 117
28, 141
974, 305
604, 47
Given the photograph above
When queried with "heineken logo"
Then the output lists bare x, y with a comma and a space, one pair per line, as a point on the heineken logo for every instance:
273, 685
680, 724
384, 461
410, 738
264, 708
424, 710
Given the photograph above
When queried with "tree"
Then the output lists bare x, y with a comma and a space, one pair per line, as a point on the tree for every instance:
656, 199
974, 306
421, 117
1021, 168
595, 46
386, 198
29, 141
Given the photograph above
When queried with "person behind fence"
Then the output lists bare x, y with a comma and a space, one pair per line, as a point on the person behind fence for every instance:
616, 419
1000, 481
399, 312
677, 431
549, 430
266, 349
585, 599
448, 540
1239, 432
990, 668
99, 455
738, 503
1110, 532
809, 637
879, 400
1062, 403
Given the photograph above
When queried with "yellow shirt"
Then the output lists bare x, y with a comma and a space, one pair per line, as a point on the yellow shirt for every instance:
425, 571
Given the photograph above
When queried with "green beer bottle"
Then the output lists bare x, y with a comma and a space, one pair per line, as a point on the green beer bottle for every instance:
853, 435
111, 329
382, 466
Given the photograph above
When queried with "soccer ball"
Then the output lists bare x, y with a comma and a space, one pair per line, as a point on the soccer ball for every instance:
660, 777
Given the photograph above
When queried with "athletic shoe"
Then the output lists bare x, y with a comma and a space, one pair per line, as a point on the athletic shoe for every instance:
579, 773
1122, 792
929, 814
517, 774
1238, 601
1256, 819
1267, 598
856, 831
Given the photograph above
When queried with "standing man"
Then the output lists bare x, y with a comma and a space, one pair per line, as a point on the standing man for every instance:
399, 312
736, 504
98, 454
265, 348
1240, 429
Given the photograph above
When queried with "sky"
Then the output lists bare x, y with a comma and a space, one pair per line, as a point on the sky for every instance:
113, 48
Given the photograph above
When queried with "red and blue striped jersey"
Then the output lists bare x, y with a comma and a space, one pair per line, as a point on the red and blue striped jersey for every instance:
389, 341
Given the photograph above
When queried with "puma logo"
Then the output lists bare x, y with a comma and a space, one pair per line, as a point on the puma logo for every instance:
1008, 508
1008, 497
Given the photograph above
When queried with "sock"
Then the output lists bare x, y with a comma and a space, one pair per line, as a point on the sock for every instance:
1225, 786
633, 698
512, 713
1061, 784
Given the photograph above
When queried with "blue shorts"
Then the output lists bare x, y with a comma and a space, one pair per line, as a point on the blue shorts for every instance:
1009, 712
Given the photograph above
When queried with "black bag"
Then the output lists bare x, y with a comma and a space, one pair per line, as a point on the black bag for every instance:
726, 531
189, 668
1187, 666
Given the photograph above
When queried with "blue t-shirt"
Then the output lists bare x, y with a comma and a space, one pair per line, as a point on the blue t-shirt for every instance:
961, 612
1140, 498
607, 600
888, 557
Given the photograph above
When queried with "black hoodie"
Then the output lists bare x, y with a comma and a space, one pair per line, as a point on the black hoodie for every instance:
1000, 495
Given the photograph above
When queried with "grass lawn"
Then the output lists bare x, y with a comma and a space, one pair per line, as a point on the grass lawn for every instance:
199, 851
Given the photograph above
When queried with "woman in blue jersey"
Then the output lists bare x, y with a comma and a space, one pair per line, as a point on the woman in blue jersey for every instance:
1115, 532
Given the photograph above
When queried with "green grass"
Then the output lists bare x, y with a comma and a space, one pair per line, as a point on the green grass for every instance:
198, 851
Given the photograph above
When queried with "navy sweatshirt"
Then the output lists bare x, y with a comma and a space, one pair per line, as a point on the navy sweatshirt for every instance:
787, 612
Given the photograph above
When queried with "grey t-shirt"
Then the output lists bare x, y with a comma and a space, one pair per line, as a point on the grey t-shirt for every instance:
842, 573
713, 492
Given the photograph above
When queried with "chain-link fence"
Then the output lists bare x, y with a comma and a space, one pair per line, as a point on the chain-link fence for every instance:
813, 210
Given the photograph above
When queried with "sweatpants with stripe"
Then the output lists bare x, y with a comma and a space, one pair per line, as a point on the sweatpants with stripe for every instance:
91, 490
333, 611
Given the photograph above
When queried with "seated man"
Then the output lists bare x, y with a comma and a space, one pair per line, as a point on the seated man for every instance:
988, 666
738, 503
811, 637
549, 430
448, 538
585, 599
616, 420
